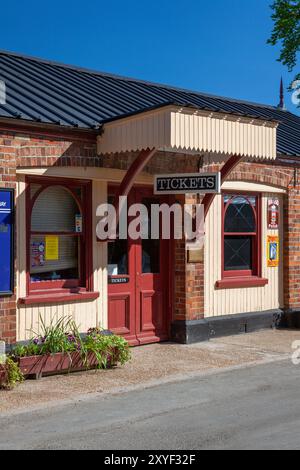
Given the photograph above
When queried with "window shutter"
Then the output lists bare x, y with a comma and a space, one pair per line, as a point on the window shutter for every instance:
55, 210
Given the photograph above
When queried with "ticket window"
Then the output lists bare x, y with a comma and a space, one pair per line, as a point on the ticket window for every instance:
58, 241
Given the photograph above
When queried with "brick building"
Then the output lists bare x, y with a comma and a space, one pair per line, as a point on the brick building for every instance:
71, 139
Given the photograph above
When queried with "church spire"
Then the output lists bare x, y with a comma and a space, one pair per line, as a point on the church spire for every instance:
281, 102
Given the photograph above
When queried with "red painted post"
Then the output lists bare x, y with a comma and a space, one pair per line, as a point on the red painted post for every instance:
128, 181
228, 167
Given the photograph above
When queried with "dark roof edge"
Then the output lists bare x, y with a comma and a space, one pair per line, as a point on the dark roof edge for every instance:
58, 130
130, 79
187, 105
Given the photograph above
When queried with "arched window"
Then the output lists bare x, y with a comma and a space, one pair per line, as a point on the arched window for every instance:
240, 236
59, 239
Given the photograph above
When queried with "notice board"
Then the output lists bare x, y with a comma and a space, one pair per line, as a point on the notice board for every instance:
6, 241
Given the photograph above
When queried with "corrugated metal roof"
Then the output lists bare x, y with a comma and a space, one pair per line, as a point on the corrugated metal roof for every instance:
54, 93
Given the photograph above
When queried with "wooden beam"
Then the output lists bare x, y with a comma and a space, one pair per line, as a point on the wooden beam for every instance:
132, 173
227, 168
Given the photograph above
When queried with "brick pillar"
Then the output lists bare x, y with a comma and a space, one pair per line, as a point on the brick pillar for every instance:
7, 180
189, 286
189, 292
291, 257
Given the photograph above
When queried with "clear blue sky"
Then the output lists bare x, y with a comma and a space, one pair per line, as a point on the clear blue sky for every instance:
214, 46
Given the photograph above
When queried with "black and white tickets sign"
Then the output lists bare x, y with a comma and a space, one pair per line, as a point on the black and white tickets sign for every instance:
197, 183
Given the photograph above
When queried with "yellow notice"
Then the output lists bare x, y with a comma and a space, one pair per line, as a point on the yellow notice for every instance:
52, 253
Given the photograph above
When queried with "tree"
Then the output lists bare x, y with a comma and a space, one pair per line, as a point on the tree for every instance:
286, 17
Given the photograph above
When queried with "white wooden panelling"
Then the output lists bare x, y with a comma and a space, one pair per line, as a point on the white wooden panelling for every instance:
184, 130
232, 301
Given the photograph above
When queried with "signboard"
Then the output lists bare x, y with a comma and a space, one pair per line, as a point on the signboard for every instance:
52, 248
195, 256
273, 252
196, 183
6, 241
78, 223
273, 214
118, 280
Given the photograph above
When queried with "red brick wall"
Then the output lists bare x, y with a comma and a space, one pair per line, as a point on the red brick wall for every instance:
7, 180
31, 151
189, 285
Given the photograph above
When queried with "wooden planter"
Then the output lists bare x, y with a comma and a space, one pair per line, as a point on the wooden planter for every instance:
60, 363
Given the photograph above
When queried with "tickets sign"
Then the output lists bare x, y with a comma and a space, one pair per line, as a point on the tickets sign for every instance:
196, 183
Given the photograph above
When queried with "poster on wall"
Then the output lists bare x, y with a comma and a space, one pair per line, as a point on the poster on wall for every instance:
273, 214
78, 223
52, 248
37, 254
6, 241
273, 252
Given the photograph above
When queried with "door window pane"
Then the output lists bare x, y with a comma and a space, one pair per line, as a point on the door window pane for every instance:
151, 256
118, 258
150, 248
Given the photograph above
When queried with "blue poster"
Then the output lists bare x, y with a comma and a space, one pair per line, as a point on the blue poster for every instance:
6, 241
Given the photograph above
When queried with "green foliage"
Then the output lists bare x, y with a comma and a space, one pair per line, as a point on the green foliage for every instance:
286, 17
109, 350
64, 337
14, 375
59, 337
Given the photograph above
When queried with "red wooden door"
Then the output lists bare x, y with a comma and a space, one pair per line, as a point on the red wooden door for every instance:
138, 290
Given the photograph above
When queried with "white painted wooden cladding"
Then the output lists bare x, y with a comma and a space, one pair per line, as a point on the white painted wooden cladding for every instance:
232, 301
86, 314
222, 135
185, 130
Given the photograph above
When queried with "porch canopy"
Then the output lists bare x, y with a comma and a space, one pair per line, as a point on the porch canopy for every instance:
186, 129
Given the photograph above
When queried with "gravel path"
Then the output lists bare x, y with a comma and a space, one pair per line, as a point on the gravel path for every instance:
151, 365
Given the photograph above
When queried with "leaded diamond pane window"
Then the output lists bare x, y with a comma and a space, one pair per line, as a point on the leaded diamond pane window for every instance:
237, 253
240, 235
240, 215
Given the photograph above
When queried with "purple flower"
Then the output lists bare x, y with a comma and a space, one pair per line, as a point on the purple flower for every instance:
94, 331
71, 338
37, 341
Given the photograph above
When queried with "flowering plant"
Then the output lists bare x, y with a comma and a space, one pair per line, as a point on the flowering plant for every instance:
64, 337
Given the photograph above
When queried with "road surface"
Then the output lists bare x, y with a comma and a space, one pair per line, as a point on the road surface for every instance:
253, 408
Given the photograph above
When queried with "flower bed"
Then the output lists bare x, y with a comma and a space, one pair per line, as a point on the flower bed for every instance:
61, 349
59, 363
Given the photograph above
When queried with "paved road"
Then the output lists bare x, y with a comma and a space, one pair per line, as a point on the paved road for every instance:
255, 408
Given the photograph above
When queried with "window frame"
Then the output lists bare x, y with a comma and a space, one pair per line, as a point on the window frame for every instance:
243, 278
68, 286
